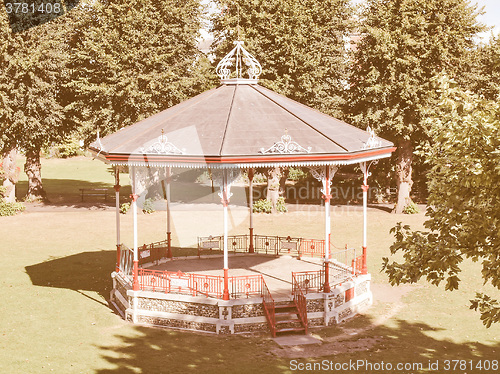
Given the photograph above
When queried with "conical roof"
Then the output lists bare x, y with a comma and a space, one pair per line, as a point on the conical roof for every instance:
240, 124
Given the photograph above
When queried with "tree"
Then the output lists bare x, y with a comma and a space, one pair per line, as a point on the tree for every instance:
132, 59
404, 45
300, 45
464, 200
33, 69
487, 77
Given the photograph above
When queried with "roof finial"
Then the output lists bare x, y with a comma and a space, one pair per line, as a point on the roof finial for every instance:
238, 57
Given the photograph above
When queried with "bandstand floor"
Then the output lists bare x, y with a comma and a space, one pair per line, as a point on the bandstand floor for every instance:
277, 271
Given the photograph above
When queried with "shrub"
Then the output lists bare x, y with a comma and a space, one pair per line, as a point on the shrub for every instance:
411, 208
124, 208
265, 206
262, 206
148, 206
9, 209
296, 174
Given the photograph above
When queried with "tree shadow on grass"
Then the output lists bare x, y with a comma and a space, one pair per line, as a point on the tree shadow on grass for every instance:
67, 192
86, 271
152, 350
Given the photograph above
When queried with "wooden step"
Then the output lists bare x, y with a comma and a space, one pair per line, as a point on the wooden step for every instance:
290, 329
291, 320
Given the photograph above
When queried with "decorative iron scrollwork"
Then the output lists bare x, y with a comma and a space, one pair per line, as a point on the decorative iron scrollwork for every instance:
286, 145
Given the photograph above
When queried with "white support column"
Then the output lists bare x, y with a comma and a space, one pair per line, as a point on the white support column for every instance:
325, 175
327, 197
365, 170
225, 178
169, 231
117, 207
134, 197
250, 198
225, 201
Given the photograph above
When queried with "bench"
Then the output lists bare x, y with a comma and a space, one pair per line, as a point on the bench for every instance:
95, 192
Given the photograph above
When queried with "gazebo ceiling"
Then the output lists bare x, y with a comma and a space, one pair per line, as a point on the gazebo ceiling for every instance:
240, 124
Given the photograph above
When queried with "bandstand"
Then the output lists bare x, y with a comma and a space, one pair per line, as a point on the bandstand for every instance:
239, 126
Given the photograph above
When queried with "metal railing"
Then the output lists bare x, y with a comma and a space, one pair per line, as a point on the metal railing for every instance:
310, 281
344, 265
126, 263
264, 244
199, 284
269, 308
312, 248
153, 252
300, 301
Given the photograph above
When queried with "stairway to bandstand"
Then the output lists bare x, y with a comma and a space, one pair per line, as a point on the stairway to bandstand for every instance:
287, 319
288, 316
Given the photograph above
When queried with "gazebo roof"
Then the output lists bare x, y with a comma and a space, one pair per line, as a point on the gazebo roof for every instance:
240, 124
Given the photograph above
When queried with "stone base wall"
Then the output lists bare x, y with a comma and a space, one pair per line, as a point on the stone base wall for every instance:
233, 316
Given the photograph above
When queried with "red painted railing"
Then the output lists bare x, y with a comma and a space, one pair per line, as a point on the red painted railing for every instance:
152, 252
300, 301
264, 244
198, 284
312, 248
310, 281
269, 308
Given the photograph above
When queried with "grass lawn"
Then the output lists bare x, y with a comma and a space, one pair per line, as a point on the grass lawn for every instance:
55, 279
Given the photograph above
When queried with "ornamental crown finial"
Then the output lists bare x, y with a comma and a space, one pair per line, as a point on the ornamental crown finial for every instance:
238, 58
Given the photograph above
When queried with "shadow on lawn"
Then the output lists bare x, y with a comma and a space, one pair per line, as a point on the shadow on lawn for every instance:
67, 191
87, 271
163, 351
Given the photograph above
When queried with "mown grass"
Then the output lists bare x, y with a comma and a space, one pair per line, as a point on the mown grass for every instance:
55, 279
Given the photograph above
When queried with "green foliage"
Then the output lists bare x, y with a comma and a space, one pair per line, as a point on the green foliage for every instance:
262, 206
411, 208
124, 208
132, 59
9, 209
148, 206
298, 42
488, 307
464, 204
266, 206
296, 174
68, 148
403, 45
486, 81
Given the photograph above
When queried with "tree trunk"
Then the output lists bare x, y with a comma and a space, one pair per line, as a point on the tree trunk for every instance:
33, 169
273, 186
284, 176
11, 174
403, 175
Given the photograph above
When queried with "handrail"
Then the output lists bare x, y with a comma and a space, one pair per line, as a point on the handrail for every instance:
269, 307
300, 301
126, 261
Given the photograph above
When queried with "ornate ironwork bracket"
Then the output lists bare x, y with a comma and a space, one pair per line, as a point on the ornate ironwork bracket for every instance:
286, 145
225, 178
162, 147
365, 169
319, 172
